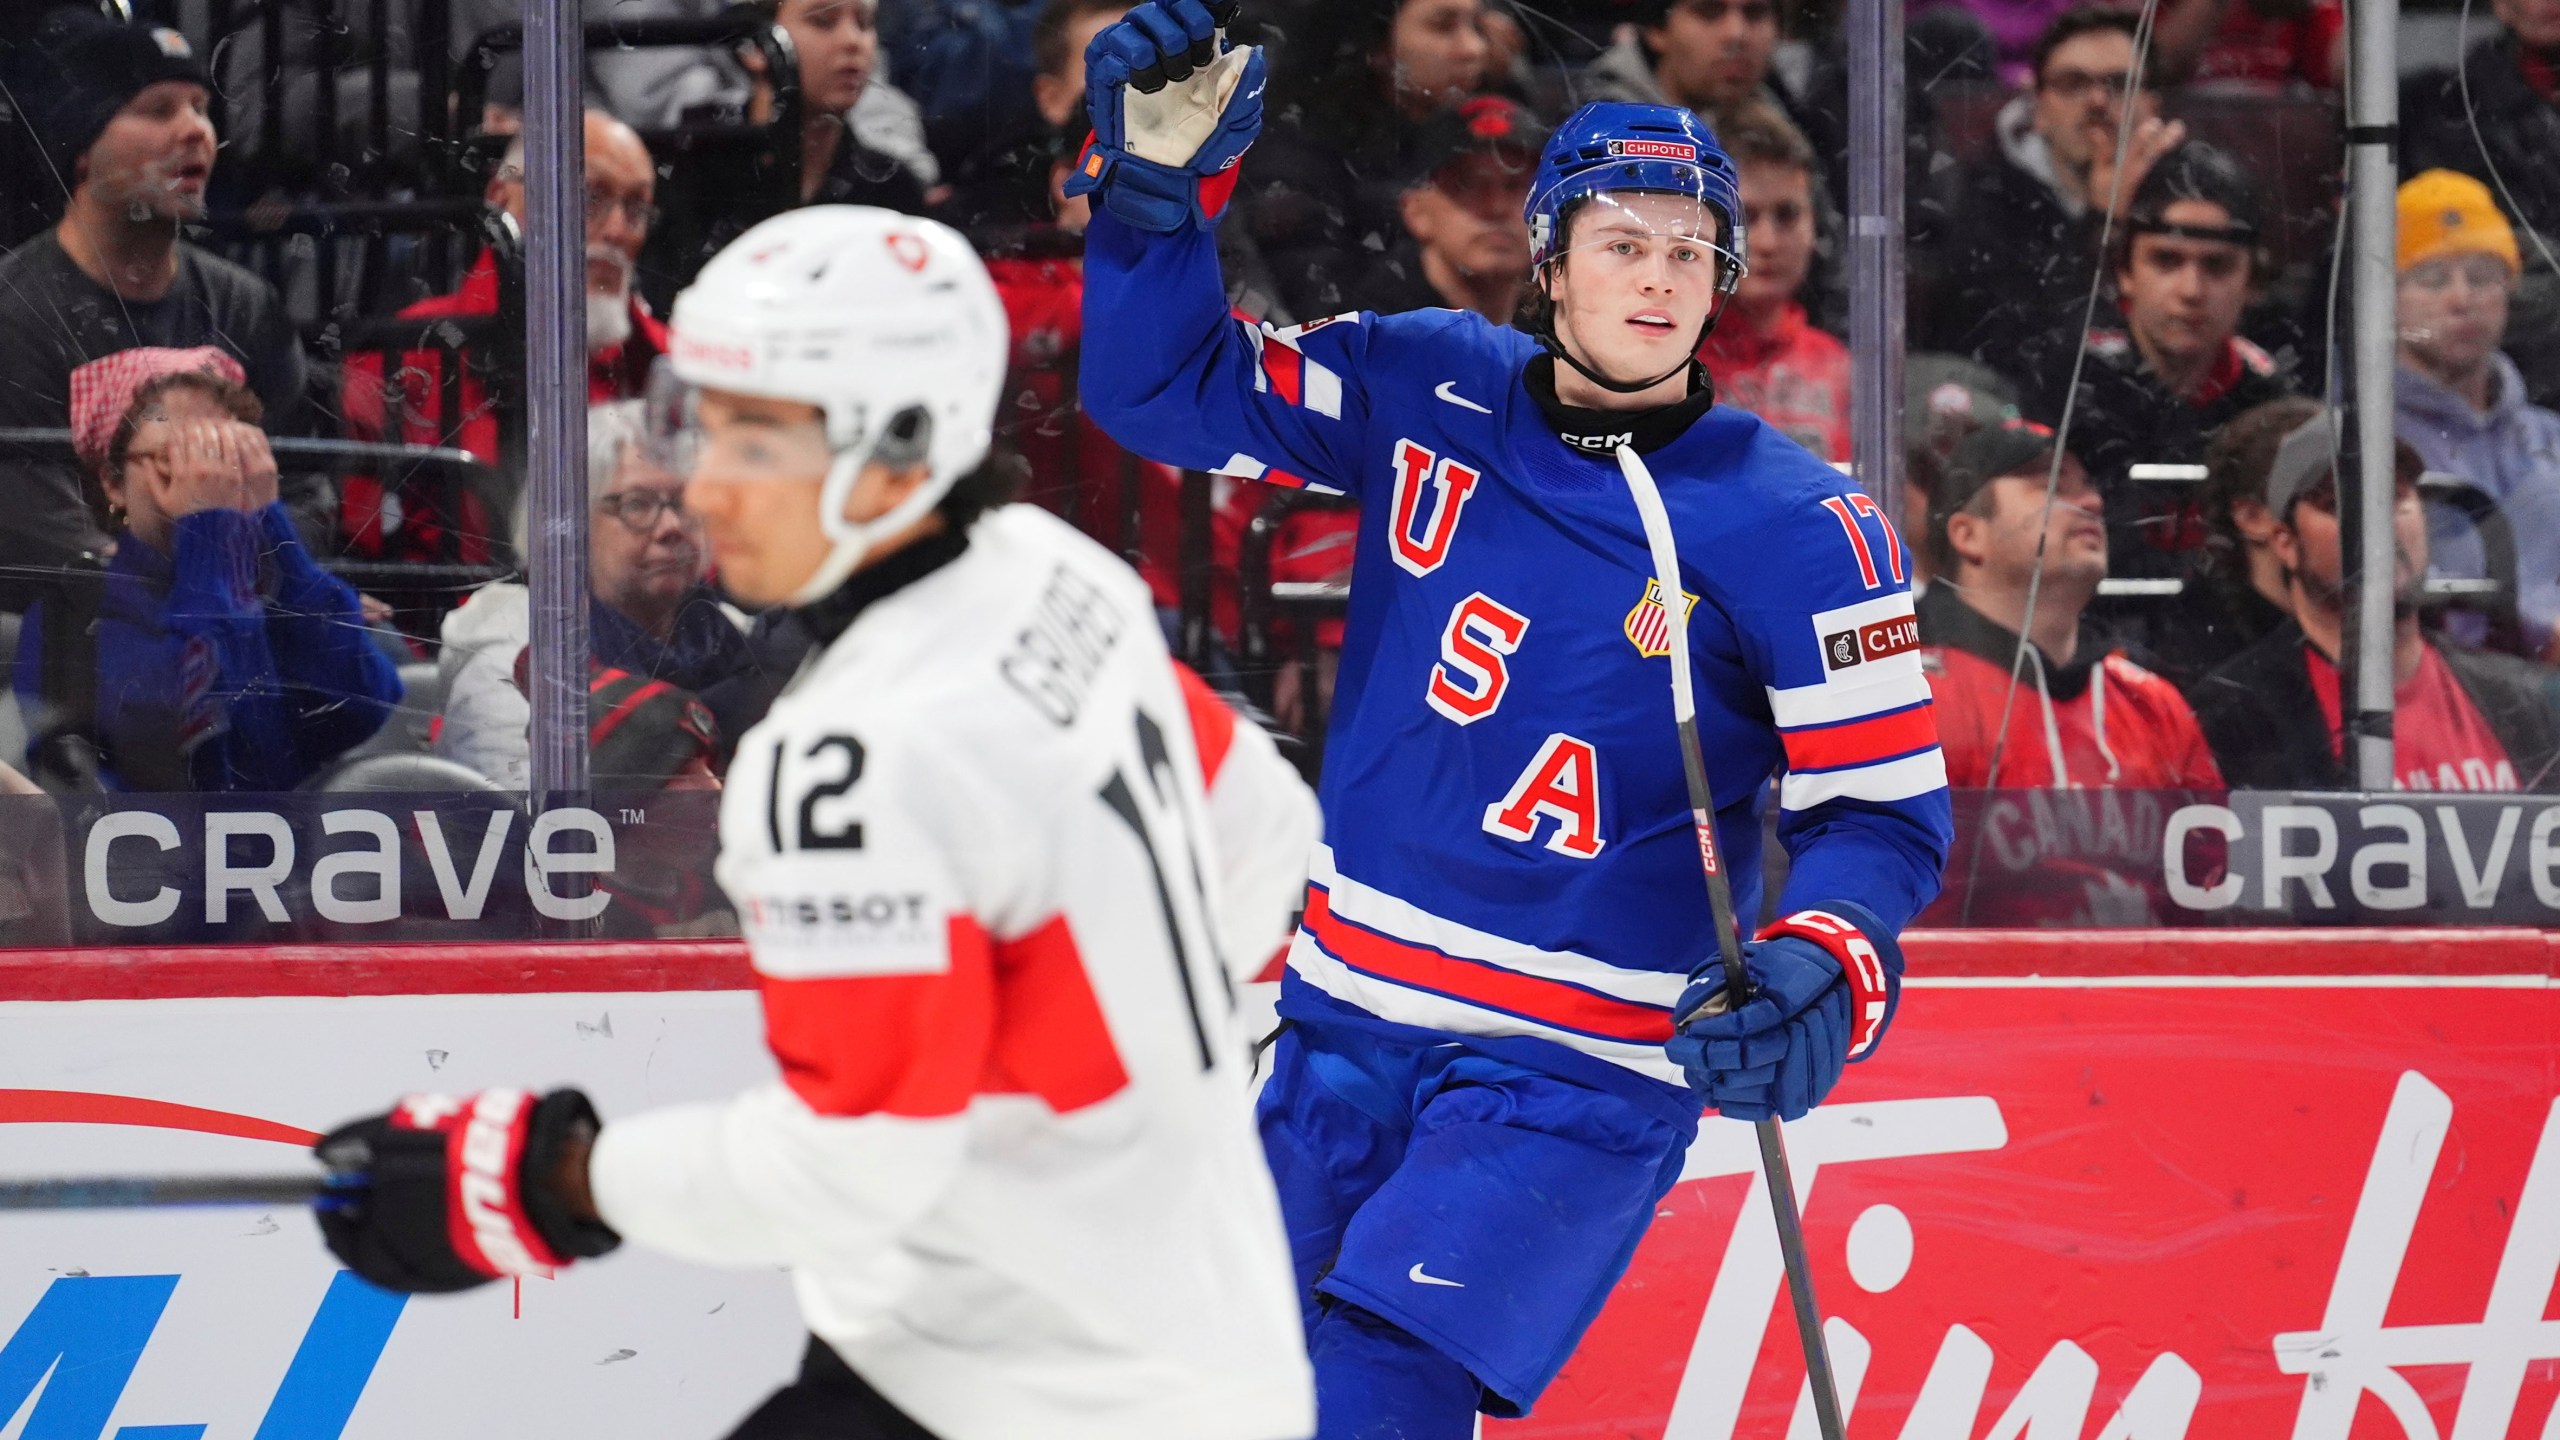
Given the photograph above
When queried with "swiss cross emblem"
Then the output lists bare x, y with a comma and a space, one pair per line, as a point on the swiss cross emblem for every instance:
1648, 628
911, 250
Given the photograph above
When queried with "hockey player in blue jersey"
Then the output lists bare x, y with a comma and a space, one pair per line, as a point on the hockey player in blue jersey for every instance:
1505, 1009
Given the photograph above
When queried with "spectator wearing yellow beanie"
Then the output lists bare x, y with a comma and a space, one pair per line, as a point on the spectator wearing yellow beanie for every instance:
2461, 401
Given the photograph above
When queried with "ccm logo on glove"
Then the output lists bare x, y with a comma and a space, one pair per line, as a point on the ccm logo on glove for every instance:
485, 1135
1859, 963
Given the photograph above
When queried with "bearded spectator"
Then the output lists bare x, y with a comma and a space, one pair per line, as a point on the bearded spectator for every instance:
623, 340
1766, 354
2463, 719
2021, 246
2236, 593
122, 117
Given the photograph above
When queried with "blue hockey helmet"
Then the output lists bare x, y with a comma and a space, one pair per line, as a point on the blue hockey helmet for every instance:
1611, 147
1615, 145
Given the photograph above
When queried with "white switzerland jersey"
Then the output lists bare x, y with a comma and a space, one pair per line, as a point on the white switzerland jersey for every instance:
1011, 1163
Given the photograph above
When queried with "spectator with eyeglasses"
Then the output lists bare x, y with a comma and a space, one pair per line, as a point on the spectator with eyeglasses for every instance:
2463, 719
653, 616
2461, 401
624, 338
2021, 240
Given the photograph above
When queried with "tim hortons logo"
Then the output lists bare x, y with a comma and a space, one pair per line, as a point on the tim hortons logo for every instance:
1654, 149
1875, 640
2355, 1352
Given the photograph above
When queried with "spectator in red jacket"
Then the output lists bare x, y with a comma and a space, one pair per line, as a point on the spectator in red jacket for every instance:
2078, 714
1766, 356
623, 340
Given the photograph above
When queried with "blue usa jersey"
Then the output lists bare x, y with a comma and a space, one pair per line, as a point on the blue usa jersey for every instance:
1509, 854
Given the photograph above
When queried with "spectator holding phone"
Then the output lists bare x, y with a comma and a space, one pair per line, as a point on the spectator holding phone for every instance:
225, 658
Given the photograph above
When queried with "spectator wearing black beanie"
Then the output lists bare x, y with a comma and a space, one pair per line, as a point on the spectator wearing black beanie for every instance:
119, 116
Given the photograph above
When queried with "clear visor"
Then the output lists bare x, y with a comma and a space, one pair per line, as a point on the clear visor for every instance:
713, 433
1671, 231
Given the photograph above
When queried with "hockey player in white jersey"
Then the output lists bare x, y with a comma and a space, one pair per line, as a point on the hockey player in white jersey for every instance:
1009, 1162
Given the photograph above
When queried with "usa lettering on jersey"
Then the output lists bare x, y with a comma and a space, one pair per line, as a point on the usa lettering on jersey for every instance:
1431, 491
1468, 683
1561, 786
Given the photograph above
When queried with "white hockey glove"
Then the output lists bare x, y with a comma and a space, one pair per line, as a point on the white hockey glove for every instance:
1174, 108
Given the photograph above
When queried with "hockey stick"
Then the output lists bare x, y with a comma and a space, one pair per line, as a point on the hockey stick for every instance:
1737, 983
125, 1192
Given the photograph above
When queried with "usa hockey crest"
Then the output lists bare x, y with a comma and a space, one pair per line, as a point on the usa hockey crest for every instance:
1648, 627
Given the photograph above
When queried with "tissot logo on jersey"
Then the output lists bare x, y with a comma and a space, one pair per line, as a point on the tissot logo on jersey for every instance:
853, 919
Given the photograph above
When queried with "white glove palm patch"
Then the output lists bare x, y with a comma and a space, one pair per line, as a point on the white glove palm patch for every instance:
1170, 126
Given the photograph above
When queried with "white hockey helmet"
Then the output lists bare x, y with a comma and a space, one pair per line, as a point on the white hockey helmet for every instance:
887, 323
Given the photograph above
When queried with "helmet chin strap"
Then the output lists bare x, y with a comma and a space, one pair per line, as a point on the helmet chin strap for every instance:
854, 539
1546, 336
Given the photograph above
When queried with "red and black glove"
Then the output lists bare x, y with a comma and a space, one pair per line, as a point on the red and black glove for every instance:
444, 1192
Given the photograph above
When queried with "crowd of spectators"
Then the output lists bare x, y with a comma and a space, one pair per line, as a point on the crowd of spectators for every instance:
2114, 326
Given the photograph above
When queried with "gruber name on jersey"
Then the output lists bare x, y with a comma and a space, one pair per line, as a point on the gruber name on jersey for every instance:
1510, 854
976, 852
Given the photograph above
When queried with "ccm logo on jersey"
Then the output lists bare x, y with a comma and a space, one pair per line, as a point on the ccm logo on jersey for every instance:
1875, 640
1597, 444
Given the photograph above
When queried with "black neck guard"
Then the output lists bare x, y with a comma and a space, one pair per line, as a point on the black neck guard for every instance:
1601, 432
828, 616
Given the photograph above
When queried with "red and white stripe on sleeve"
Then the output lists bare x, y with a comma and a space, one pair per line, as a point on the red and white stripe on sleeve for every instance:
1866, 731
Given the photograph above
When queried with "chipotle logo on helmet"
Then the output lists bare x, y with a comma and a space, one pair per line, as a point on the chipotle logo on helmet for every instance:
1654, 149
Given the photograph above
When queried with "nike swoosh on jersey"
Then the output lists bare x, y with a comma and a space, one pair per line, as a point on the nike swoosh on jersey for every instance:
1448, 391
1417, 1277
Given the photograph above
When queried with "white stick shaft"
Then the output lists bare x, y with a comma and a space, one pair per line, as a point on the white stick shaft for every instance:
1666, 573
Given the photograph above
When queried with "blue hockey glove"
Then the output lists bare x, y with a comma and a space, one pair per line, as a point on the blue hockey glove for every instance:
1174, 108
1821, 993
